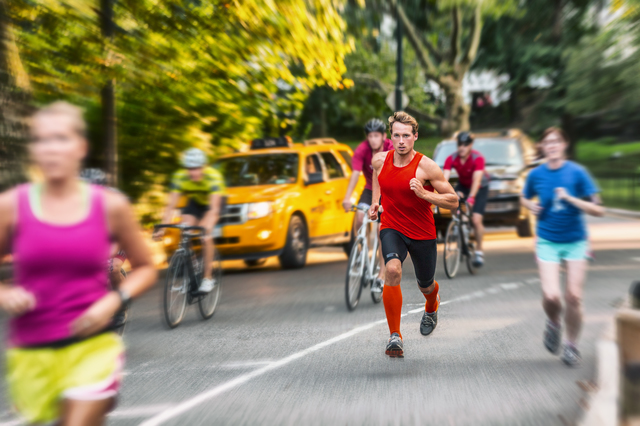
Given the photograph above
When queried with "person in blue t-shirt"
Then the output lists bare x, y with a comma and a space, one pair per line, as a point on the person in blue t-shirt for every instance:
565, 191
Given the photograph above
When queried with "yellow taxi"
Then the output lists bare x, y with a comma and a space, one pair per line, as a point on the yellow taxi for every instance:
283, 198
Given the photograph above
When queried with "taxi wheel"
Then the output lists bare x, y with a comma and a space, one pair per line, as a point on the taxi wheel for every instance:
294, 254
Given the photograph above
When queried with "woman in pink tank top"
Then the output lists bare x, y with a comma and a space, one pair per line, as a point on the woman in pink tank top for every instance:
63, 360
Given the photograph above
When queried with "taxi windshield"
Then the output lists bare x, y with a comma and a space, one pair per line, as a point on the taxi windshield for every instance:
262, 169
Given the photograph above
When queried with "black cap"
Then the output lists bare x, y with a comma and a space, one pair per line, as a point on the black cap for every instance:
465, 138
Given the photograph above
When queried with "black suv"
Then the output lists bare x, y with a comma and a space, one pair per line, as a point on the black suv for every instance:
509, 155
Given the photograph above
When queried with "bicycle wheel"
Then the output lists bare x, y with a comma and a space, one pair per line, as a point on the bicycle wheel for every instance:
176, 288
207, 303
375, 296
471, 250
452, 249
355, 273
123, 314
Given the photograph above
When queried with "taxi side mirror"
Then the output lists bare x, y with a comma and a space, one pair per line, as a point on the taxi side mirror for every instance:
314, 178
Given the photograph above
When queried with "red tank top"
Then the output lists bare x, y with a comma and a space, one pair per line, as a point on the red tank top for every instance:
403, 210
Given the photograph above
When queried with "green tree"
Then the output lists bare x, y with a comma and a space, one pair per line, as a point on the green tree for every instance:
208, 74
14, 97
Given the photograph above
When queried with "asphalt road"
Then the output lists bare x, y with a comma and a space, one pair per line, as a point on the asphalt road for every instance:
282, 349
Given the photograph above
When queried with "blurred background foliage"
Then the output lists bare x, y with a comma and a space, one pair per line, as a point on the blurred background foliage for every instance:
217, 73
211, 74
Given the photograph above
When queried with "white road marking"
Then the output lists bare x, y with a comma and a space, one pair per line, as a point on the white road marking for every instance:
637, 259
510, 286
185, 406
142, 411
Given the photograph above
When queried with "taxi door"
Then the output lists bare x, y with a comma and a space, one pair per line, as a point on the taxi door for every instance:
336, 188
317, 196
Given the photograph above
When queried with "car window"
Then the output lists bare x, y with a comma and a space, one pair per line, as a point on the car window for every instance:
264, 169
312, 164
496, 152
347, 157
334, 170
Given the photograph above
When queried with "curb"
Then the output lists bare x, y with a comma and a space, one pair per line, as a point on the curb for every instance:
603, 406
621, 212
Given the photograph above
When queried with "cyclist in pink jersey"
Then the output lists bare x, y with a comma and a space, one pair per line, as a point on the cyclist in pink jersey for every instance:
64, 362
376, 132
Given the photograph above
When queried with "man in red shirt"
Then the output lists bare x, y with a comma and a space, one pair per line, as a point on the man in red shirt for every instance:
406, 180
376, 142
473, 184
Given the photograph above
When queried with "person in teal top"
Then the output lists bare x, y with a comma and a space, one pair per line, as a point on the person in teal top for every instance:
565, 192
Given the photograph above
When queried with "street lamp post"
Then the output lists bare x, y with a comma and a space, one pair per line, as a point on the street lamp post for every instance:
399, 64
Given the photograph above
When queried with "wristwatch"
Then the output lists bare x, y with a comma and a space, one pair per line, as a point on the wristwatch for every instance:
125, 298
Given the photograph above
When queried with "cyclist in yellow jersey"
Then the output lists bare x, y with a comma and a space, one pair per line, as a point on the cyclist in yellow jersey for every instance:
203, 186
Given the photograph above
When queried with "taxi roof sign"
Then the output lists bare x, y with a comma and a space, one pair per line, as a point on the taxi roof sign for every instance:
264, 143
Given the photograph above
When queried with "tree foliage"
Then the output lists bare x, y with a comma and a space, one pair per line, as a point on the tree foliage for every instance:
189, 72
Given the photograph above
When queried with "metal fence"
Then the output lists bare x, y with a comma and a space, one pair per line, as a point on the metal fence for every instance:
620, 189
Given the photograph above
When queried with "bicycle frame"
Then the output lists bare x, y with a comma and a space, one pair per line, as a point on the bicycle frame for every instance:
460, 217
186, 249
369, 262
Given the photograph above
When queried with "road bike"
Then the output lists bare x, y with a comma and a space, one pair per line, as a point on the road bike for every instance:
184, 275
364, 263
459, 240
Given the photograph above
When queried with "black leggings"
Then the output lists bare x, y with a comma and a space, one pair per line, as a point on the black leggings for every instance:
424, 254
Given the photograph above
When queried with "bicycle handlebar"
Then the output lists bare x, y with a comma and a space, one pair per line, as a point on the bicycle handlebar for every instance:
183, 228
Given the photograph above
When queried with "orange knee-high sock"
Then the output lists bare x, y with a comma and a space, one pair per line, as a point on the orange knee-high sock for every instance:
433, 301
392, 299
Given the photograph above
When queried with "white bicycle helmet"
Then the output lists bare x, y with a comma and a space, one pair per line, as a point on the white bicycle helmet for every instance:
193, 158
94, 176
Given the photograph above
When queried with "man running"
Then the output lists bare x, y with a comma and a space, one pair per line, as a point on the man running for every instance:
406, 180
203, 186
376, 142
473, 184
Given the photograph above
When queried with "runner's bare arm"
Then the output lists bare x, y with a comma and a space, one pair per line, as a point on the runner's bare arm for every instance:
13, 299
377, 162
174, 197
353, 181
128, 235
428, 171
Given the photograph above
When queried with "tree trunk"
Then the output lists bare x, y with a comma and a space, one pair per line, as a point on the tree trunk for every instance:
457, 112
14, 107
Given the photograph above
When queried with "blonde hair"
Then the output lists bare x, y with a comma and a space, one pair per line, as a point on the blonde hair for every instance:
75, 113
404, 118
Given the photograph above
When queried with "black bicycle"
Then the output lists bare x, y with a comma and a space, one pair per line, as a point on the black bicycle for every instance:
459, 240
185, 274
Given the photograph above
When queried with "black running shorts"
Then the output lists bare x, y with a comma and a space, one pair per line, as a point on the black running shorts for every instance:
423, 253
195, 209
365, 197
481, 197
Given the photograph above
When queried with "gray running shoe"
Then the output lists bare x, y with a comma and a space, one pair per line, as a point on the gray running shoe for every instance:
428, 323
571, 355
395, 347
552, 336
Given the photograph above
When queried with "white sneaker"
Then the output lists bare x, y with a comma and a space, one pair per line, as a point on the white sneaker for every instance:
207, 285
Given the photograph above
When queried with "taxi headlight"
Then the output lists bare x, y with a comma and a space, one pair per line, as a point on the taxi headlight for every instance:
258, 210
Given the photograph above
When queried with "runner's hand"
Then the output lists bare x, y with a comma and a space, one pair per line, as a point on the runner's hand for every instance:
347, 205
17, 301
98, 316
417, 188
535, 208
373, 211
562, 193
